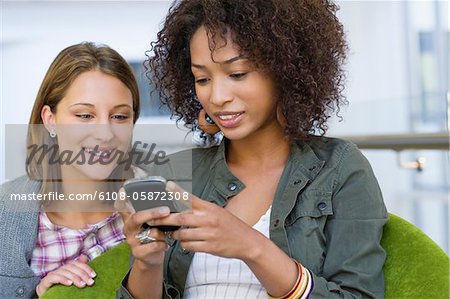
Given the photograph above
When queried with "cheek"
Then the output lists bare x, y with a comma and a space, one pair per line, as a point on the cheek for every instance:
202, 95
71, 134
123, 133
65, 117
266, 98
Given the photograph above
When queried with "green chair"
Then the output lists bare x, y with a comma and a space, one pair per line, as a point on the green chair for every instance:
415, 267
110, 267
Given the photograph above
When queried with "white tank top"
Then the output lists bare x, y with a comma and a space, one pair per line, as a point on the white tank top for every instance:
211, 276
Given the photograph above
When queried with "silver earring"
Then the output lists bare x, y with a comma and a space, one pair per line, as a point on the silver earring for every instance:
52, 133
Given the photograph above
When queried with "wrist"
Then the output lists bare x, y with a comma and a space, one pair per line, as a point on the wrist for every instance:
256, 248
145, 281
143, 267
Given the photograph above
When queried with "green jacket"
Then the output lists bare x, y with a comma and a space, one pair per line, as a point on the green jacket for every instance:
328, 213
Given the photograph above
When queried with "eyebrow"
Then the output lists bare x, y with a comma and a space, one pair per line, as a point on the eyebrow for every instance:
90, 105
228, 61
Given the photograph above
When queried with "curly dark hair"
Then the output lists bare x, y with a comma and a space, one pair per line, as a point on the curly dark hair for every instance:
300, 43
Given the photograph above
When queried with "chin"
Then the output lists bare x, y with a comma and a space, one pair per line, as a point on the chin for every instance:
235, 135
99, 173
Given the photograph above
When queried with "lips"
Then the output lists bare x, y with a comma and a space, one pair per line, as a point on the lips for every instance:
229, 119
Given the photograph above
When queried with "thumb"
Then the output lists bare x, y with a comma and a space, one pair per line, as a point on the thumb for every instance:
200, 204
182, 198
189, 201
173, 187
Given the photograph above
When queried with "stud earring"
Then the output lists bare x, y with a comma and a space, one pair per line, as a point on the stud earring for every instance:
52, 133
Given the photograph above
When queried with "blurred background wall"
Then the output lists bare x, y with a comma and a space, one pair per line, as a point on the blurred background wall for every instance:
397, 81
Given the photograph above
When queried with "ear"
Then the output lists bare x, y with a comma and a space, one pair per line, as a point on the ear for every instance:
280, 116
48, 118
205, 126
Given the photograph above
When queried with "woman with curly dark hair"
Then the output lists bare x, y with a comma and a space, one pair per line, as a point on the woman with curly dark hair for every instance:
284, 211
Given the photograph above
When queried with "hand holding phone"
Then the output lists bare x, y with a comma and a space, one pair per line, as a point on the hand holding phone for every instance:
150, 192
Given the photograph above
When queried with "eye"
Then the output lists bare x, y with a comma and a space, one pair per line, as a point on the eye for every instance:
201, 81
85, 116
120, 117
238, 75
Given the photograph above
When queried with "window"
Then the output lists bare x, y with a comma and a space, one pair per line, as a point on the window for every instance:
150, 102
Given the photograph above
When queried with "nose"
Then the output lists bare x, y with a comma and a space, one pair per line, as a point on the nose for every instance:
103, 130
220, 93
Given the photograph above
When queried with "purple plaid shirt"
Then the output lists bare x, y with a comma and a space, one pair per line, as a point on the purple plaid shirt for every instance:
58, 245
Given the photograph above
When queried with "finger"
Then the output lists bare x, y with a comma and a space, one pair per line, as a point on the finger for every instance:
83, 259
153, 233
70, 275
137, 219
181, 219
190, 200
51, 279
194, 234
179, 192
77, 272
81, 262
200, 204
143, 251
196, 246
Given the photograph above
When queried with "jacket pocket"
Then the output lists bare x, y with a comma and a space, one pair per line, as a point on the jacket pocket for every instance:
305, 228
312, 203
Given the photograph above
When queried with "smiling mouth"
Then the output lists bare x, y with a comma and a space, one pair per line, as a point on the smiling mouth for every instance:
229, 119
229, 116
98, 153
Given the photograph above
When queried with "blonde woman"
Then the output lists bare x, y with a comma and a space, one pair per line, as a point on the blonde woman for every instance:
80, 134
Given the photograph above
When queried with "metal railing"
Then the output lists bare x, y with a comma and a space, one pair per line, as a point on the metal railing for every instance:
402, 142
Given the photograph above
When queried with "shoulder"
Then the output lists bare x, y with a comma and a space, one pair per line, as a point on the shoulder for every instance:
342, 165
20, 184
205, 154
352, 182
19, 187
19, 229
194, 157
335, 152
330, 149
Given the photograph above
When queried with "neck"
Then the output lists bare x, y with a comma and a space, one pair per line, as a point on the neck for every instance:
267, 150
77, 220
83, 196
84, 186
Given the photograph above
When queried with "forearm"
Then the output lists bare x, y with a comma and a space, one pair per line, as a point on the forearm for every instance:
276, 271
145, 282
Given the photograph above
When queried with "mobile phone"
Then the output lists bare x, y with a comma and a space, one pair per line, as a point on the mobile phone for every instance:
150, 192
